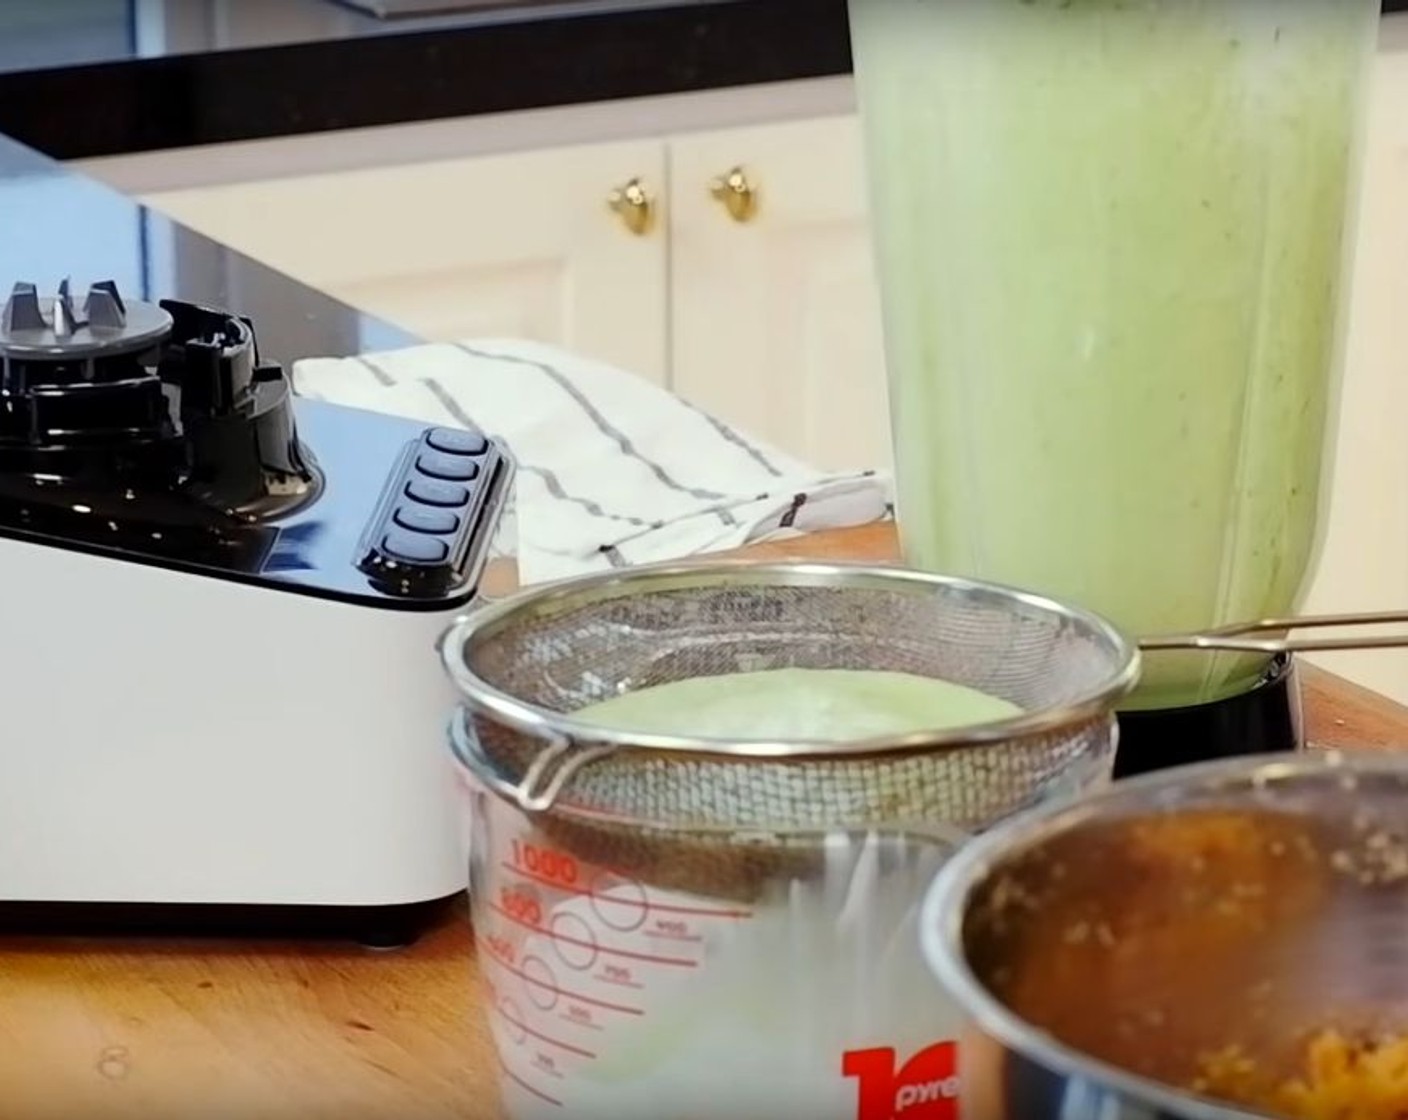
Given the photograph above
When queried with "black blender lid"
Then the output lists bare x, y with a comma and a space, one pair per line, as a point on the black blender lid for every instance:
156, 411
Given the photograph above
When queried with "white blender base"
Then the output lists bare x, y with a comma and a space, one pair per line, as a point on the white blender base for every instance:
223, 776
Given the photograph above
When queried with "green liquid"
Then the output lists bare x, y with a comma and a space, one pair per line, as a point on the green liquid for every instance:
1112, 238
798, 704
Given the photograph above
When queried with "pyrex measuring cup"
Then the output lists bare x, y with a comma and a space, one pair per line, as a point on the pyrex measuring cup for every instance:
682, 929
610, 996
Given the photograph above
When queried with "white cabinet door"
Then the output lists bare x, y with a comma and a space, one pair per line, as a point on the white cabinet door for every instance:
520, 245
1364, 564
776, 320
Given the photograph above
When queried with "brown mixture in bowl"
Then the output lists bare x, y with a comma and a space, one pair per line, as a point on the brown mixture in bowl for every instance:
1341, 1079
1169, 919
1252, 954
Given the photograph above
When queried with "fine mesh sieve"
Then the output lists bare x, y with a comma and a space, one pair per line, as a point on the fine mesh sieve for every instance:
526, 664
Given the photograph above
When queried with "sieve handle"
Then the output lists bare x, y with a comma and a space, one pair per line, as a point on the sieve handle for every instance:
1240, 636
447, 646
553, 767
524, 791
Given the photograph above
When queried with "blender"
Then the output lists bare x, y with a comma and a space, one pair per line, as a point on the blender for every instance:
1113, 242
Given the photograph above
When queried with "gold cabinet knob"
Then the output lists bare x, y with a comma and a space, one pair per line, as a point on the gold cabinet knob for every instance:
737, 193
634, 206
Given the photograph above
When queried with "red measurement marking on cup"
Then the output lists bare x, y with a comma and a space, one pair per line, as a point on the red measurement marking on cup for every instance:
622, 907
548, 984
501, 947
672, 929
605, 950
651, 904
542, 984
579, 1016
519, 905
509, 1012
526, 1087
546, 864
618, 975
574, 941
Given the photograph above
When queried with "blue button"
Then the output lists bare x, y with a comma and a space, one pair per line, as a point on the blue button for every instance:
456, 441
415, 548
432, 493
453, 468
424, 519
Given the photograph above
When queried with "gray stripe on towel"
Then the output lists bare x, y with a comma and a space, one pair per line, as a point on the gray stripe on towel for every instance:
376, 371
603, 425
550, 480
734, 438
554, 487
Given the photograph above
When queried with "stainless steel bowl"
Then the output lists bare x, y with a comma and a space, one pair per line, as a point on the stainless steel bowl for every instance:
1104, 949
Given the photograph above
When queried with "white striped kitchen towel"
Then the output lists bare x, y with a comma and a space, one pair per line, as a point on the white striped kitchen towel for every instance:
612, 469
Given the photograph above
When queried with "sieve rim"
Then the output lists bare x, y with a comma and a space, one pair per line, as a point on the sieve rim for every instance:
949, 896
539, 722
475, 767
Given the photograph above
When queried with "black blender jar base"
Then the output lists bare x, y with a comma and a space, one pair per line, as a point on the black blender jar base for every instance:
1264, 719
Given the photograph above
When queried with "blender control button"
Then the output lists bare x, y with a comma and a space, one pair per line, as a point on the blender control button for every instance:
416, 548
452, 468
429, 492
423, 519
456, 441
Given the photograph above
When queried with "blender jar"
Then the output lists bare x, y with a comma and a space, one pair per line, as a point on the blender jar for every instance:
1112, 241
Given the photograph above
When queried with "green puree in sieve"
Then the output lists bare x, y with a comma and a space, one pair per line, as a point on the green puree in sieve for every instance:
796, 704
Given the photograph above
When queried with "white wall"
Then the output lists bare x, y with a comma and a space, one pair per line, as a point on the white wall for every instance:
1366, 547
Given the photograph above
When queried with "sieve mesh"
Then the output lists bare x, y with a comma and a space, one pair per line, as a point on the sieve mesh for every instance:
559, 649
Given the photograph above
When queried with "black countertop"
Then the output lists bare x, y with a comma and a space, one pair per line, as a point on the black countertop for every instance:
82, 78
53, 218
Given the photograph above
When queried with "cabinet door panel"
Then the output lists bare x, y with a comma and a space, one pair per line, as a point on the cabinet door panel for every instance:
519, 245
776, 320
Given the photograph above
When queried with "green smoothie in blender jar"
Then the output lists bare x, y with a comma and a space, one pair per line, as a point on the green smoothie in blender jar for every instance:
1113, 239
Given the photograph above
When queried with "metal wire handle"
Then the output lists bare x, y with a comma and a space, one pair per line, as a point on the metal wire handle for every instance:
1231, 637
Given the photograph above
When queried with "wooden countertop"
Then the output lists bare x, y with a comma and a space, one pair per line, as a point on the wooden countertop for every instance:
133, 1029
